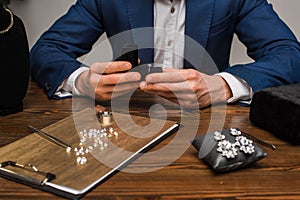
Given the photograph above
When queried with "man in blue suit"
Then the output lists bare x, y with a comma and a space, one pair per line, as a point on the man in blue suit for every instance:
211, 23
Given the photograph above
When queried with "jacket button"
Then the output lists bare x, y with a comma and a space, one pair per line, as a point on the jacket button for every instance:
47, 86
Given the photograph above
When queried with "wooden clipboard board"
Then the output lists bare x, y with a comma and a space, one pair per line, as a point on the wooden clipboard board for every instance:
73, 180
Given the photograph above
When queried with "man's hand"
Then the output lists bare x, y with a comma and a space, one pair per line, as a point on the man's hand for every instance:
187, 87
101, 79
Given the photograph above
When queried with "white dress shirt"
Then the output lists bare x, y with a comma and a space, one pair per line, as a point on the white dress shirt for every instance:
169, 23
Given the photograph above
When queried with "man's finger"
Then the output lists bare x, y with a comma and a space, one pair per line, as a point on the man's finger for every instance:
167, 77
110, 67
166, 87
113, 79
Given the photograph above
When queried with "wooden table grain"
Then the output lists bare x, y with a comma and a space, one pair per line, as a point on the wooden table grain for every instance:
275, 177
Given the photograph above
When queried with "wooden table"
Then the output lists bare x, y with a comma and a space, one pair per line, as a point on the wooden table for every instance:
275, 177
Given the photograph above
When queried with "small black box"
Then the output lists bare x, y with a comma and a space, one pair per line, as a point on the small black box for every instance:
277, 109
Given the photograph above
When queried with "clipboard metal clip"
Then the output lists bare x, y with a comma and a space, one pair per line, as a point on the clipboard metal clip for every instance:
16, 176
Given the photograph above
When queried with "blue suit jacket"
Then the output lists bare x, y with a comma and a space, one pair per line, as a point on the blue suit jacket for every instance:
212, 23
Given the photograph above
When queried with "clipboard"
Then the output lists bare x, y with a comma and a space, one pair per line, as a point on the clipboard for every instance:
36, 162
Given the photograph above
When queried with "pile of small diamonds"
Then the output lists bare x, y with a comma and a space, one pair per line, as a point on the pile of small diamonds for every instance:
92, 139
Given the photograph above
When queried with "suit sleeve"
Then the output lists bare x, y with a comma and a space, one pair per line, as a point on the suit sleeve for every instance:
270, 43
54, 56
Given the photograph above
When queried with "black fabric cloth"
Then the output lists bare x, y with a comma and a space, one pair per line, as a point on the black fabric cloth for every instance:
277, 109
5, 18
14, 67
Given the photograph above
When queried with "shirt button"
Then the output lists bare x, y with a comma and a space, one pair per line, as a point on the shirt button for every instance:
172, 10
170, 42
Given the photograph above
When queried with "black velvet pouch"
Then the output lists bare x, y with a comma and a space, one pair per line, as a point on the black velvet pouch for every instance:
227, 150
14, 67
277, 110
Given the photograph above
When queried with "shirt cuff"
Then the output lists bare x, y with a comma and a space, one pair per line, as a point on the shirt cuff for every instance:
68, 87
241, 91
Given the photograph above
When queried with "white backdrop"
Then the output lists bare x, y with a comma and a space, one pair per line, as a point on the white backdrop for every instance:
38, 15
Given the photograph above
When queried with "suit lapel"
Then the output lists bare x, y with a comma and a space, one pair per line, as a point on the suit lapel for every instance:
140, 14
197, 24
